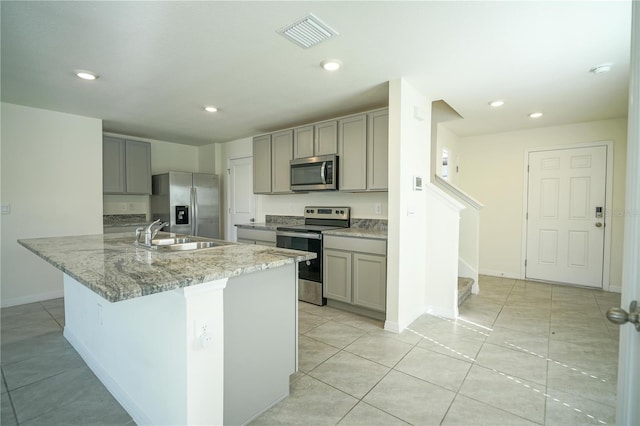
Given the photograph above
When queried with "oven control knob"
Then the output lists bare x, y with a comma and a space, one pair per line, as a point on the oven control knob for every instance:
308, 263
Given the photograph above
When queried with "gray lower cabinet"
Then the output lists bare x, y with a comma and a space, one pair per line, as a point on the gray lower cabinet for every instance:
355, 271
257, 236
126, 166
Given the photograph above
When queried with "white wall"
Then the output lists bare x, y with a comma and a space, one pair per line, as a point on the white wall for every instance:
492, 171
409, 156
52, 178
207, 159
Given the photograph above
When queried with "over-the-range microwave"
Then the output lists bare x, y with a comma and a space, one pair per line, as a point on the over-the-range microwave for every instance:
315, 173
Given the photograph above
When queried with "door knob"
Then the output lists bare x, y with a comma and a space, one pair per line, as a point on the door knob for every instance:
620, 316
598, 224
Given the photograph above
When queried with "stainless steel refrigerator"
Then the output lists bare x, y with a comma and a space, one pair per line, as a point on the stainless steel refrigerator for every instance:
189, 202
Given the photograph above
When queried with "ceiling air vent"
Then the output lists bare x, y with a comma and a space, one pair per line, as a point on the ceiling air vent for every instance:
308, 31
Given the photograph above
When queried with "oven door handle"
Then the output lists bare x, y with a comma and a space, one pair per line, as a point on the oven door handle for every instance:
298, 235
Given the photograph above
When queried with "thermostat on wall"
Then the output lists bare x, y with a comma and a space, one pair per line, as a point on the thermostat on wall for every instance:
417, 183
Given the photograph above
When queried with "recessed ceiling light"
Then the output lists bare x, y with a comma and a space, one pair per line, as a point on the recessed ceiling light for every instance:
331, 64
601, 69
535, 115
86, 75
210, 108
496, 103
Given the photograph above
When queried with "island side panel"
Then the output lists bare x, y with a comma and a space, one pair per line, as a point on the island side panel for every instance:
141, 350
260, 316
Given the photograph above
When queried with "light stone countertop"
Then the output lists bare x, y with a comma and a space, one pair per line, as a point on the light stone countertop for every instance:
111, 266
375, 234
259, 226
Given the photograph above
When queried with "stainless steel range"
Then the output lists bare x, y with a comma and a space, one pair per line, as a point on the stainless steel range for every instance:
308, 237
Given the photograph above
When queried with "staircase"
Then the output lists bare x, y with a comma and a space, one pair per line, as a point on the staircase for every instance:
464, 289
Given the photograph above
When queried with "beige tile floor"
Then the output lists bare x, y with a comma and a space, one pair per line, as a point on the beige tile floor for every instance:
520, 353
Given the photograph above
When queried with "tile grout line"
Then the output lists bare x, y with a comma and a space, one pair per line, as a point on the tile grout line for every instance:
13, 407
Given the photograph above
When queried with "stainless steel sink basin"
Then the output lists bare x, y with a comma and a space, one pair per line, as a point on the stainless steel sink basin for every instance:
183, 243
196, 245
170, 241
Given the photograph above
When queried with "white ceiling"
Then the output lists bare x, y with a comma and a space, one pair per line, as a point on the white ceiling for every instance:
161, 62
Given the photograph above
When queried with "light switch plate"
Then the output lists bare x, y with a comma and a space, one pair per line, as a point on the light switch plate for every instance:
6, 209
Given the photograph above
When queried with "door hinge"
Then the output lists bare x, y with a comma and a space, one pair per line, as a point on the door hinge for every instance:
527, 168
526, 216
229, 210
228, 171
525, 263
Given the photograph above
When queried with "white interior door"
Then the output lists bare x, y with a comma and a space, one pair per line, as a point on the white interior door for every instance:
566, 215
628, 408
241, 200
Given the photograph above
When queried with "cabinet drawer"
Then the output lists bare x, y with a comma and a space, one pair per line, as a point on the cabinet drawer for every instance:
362, 245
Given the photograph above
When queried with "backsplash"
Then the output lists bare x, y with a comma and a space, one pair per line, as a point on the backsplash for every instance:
372, 224
284, 220
123, 219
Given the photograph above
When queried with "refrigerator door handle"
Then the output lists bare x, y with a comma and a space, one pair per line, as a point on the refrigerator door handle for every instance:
195, 211
191, 212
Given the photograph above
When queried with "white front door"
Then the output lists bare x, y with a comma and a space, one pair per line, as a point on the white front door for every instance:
566, 215
241, 200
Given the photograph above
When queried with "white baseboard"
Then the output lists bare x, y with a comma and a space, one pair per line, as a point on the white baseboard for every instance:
442, 312
392, 326
118, 393
615, 288
501, 274
15, 301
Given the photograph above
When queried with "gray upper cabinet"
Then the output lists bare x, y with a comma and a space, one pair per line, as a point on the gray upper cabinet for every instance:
361, 142
314, 140
281, 156
303, 142
113, 167
262, 164
138, 167
378, 151
126, 166
352, 149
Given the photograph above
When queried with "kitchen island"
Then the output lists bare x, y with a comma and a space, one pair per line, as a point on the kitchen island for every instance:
194, 337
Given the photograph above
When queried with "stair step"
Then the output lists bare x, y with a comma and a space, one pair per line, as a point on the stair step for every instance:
464, 289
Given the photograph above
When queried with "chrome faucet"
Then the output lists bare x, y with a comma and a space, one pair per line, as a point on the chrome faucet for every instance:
149, 232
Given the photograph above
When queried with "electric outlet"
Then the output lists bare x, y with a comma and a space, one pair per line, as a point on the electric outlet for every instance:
202, 328
132, 206
378, 208
123, 207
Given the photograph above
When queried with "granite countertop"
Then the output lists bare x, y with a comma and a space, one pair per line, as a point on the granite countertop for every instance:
260, 226
114, 268
272, 222
363, 228
376, 234
360, 228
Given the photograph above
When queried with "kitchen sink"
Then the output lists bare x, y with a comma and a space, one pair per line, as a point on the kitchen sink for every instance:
196, 245
183, 243
171, 241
